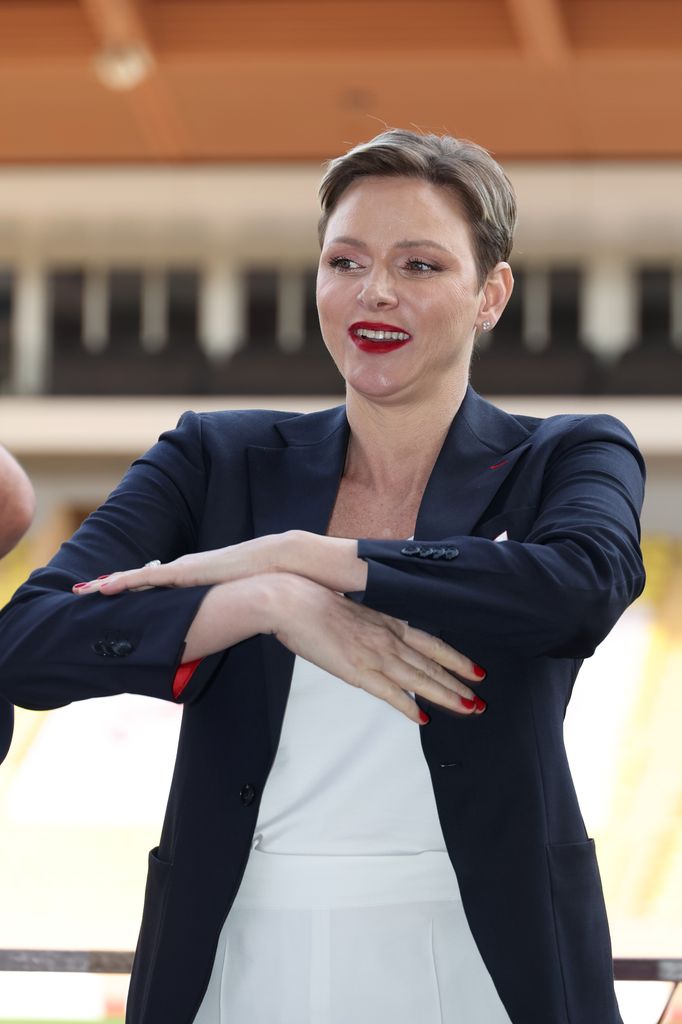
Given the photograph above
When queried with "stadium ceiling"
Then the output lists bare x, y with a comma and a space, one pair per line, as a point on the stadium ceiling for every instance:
145, 81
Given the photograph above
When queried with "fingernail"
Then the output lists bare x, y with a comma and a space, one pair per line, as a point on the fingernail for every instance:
468, 704
478, 671
77, 586
106, 574
480, 704
423, 717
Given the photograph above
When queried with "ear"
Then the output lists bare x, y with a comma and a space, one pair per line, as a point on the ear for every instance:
495, 294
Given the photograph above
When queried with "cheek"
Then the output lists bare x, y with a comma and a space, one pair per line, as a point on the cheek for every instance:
459, 306
323, 292
330, 297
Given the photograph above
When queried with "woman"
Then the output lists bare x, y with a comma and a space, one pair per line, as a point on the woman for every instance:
369, 880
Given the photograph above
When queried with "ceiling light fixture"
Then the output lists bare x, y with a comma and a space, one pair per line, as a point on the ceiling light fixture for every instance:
123, 67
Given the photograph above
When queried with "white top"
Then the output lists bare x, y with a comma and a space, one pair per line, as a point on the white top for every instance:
349, 777
349, 907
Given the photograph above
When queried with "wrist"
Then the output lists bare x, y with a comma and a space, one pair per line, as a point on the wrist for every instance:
281, 598
272, 553
288, 552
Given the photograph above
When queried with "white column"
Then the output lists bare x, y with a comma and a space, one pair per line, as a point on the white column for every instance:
608, 308
95, 309
154, 310
221, 309
30, 341
291, 310
535, 309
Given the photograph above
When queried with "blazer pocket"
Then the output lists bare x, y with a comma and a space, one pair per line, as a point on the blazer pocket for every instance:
517, 522
582, 932
156, 890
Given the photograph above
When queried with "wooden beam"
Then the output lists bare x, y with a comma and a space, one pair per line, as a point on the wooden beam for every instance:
541, 29
117, 22
120, 24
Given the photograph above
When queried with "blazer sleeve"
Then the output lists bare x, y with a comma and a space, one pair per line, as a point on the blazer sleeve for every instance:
556, 593
56, 647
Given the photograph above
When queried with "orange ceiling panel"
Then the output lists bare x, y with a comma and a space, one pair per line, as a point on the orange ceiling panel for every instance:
624, 24
298, 79
352, 26
54, 29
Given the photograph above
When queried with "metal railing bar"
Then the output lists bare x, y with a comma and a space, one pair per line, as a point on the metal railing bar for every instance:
649, 969
93, 961
90, 961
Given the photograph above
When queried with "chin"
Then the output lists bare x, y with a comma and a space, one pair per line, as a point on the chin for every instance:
375, 384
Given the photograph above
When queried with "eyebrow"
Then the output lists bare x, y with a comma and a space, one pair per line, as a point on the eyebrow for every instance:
408, 243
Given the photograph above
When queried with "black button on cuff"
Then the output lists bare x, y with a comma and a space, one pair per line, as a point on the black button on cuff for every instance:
426, 551
247, 794
121, 648
113, 648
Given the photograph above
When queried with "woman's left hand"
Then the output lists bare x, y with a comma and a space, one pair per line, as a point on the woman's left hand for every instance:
203, 568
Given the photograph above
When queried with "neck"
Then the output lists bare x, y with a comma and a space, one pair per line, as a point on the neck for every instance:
395, 445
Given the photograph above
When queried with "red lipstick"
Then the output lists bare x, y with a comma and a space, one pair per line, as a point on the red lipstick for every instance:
363, 334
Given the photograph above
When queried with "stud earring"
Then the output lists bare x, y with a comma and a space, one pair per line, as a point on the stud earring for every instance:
486, 325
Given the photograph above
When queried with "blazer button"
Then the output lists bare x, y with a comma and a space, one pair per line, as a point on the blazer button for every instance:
425, 552
120, 648
101, 647
438, 552
451, 553
410, 549
247, 794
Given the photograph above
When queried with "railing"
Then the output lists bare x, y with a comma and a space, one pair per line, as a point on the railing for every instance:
113, 962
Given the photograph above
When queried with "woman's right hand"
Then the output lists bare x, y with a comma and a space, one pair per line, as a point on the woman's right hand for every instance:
370, 650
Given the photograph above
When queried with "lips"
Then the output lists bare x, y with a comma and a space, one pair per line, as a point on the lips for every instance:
377, 337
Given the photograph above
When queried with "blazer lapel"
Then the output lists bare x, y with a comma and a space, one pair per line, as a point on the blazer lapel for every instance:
479, 451
294, 487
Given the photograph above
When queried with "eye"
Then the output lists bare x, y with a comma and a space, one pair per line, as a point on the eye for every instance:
343, 263
421, 266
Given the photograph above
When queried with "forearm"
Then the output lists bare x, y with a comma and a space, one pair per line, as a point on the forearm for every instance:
56, 647
232, 612
330, 561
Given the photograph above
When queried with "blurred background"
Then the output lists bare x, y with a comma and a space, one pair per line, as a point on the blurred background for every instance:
159, 162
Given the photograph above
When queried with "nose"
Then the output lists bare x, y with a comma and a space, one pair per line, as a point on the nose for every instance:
377, 292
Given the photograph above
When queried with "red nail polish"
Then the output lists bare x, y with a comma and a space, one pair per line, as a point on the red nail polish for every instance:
479, 672
423, 717
77, 586
480, 704
468, 704
106, 575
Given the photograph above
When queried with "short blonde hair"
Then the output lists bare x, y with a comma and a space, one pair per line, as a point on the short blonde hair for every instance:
468, 171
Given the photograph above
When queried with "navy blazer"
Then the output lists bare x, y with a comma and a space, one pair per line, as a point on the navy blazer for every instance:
6, 728
567, 490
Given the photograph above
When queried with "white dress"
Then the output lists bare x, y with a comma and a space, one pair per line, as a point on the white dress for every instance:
349, 909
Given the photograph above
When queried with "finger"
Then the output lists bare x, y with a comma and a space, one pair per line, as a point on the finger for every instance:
131, 579
426, 680
437, 685
91, 587
438, 650
136, 579
389, 652
379, 685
